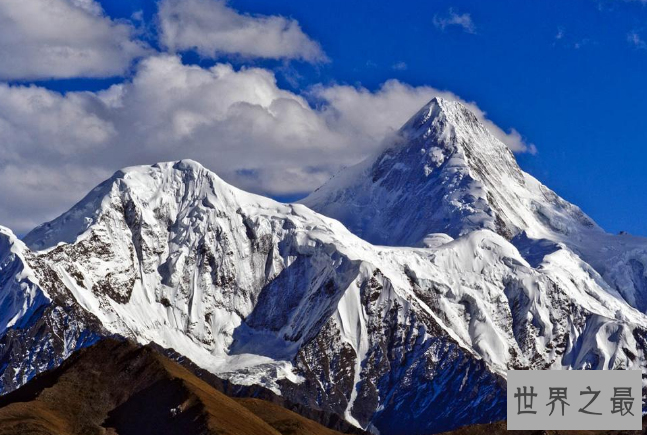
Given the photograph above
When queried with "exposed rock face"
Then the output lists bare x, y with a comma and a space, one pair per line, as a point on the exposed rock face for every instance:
265, 293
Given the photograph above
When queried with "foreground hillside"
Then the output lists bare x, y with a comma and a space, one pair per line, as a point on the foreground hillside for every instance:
118, 388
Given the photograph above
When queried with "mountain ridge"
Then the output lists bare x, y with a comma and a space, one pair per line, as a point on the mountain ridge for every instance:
260, 292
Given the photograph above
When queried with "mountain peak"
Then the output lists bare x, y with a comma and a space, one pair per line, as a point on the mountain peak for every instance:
450, 124
174, 181
439, 106
434, 178
186, 166
446, 173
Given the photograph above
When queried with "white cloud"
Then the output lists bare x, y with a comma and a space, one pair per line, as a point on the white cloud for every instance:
212, 28
636, 40
63, 38
452, 18
238, 123
32, 192
378, 114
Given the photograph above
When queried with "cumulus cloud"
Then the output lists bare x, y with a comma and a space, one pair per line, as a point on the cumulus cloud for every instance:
212, 28
32, 192
238, 123
42, 39
452, 18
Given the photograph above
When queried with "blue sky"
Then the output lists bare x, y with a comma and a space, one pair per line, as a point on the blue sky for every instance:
568, 76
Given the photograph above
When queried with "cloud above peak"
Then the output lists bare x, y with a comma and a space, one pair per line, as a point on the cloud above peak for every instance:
61, 39
41, 39
237, 122
212, 28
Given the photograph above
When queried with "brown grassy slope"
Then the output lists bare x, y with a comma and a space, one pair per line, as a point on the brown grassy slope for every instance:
284, 420
117, 388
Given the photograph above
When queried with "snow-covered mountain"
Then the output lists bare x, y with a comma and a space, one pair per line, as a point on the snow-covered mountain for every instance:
41, 324
275, 294
446, 174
